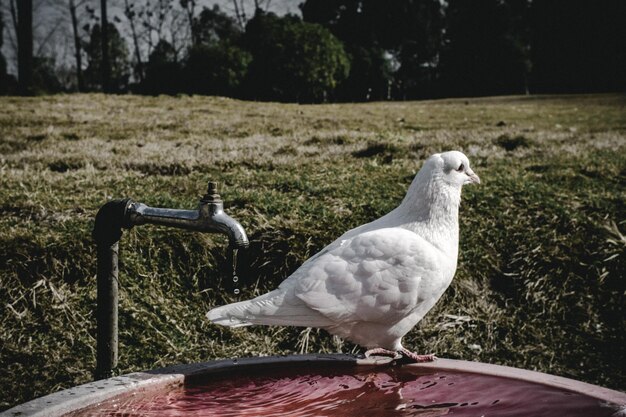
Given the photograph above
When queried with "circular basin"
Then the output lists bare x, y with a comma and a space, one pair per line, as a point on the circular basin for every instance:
330, 385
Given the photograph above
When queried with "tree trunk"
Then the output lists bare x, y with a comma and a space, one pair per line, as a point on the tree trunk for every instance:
77, 51
190, 6
130, 15
13, 15
104, 36
25, 47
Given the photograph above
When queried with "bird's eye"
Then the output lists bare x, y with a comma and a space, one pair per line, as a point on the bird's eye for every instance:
461, 167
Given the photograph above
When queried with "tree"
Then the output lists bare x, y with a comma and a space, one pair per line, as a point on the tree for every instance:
152, 22
217, 69
293, 60
240, 12
215, 63
155, 17
389, 45
25, 46
163, 72
213, 25
131, 14
73, 5
578, 46
482, 54
105, 61
7, 81
45, 79
37, 72
189, 6
3, 62
370, 70
370, 75
411, 32
118, 58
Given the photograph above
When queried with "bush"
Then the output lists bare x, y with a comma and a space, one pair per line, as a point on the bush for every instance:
217, 69
162, 71
118, 56
293, 60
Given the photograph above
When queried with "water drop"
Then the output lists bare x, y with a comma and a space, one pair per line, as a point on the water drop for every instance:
235, 277
234, 253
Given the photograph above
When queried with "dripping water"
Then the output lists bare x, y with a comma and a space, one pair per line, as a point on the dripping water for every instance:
235, 277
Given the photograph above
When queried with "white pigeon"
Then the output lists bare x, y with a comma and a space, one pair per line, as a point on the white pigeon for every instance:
377, 281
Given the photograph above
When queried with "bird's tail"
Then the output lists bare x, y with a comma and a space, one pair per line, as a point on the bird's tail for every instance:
270, 310
231, 315
260, 310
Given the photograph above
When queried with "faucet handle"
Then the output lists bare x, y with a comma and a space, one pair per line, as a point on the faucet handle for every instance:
211, 195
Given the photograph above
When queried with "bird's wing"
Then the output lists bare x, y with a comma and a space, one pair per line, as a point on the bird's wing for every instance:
377, 276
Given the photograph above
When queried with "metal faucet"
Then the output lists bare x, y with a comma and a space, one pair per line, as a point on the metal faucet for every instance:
125, 214
208, 218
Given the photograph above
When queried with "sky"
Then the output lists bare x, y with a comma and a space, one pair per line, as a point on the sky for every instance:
53, 31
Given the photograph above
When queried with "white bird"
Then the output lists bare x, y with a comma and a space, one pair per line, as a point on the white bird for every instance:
377, 281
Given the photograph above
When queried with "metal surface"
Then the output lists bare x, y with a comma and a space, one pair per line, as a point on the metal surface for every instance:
106, 232
125, 214
80, 397
208, 218
107, 302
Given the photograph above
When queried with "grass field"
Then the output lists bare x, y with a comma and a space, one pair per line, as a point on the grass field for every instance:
540, 284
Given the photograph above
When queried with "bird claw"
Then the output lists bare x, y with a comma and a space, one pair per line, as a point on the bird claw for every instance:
403, 355
414, 357
383, 352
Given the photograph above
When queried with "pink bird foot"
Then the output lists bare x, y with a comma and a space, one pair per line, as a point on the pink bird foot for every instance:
415, 357
382, 352
402, 353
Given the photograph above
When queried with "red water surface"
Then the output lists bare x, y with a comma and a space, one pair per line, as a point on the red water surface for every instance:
398, 391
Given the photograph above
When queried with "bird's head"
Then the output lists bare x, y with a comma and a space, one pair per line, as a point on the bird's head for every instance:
454, 168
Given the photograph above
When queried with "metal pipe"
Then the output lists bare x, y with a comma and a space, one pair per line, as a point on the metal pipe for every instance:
124, 214
107, 233
107, 318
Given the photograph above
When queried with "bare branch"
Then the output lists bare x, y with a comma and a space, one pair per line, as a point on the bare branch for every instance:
179, 32
77, 46
130, 15
240, 13
189, 6
47, 37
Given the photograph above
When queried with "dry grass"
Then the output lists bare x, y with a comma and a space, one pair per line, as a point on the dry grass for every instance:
540, 283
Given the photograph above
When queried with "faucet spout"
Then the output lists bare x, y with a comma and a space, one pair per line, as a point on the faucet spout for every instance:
223, 223
208, 218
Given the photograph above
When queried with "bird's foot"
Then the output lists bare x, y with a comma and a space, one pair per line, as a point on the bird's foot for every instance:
382, 352
404, 354
414, 357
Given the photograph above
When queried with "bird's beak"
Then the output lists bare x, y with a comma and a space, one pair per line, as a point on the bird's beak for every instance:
473, 178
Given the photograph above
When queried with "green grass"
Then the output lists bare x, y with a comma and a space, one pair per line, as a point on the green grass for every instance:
540, 284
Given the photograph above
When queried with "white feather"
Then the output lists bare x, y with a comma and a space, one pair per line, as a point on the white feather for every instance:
374, 283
